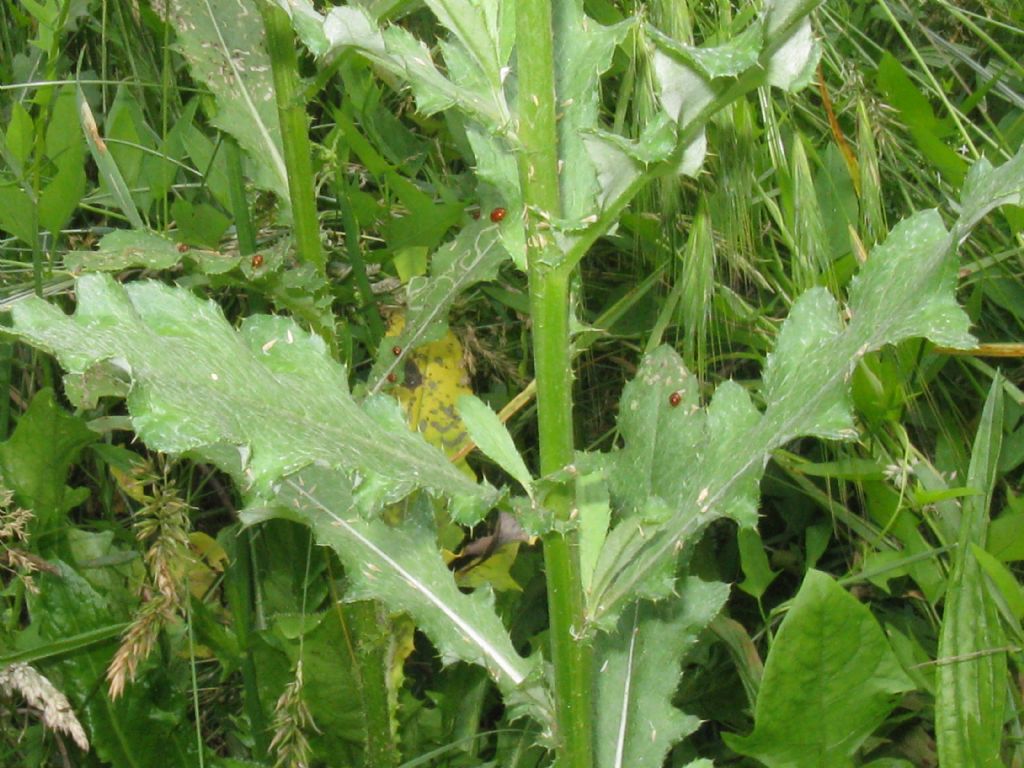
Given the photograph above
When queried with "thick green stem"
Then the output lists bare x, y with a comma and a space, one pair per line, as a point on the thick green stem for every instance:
549, 308
294, 135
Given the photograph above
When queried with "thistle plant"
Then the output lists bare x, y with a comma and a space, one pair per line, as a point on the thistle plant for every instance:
617, 528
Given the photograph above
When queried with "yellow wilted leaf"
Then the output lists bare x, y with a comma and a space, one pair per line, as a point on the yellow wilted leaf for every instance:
435, 378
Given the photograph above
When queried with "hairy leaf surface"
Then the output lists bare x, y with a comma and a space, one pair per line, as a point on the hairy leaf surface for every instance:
640, 669
401, 566
259, 402
223, 42
906, 289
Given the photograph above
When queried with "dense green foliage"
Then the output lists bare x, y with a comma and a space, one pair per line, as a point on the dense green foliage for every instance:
713, 292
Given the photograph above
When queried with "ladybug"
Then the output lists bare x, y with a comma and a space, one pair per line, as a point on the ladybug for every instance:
182, 248
498, 214
396, 350
675, 399
392, 377
257, 260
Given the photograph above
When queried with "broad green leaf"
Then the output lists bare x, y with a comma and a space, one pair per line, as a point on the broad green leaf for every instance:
492, 437
66, 148
19, 133
928, 132
16, 211
272, 400
1006, 537
640, 666
972, 675
401, 566
830, 659
223, 43
62, 194
36, 459
199, 224
472, 257
330, 683
64, 141
147, 720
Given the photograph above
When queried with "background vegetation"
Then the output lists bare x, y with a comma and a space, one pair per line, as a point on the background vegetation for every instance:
181, 638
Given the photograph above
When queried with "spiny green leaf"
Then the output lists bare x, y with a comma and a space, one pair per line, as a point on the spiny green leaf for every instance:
829, 658
731, 416
397, 51
259, 403
477, 26
684, 94
662, 425
401, 566
801, 363
730, 59
492, 437
905, 289
640, 667
472, 257
986, 188
308, 23
619, 161
124, 248
223, 43
918, 246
